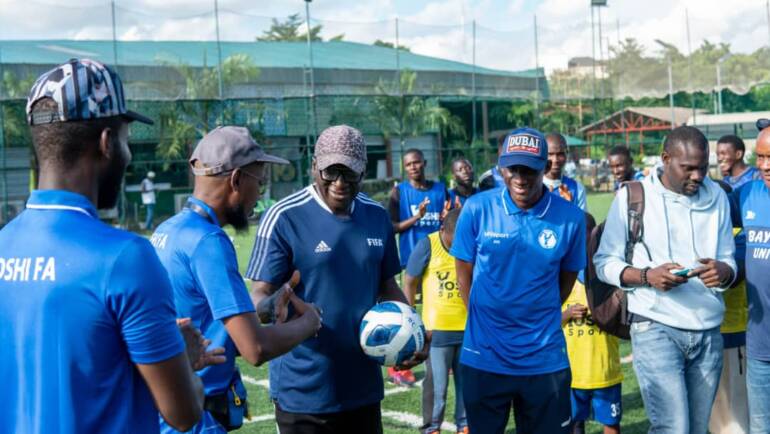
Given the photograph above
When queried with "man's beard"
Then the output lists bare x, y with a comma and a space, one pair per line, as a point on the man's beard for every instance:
237, 218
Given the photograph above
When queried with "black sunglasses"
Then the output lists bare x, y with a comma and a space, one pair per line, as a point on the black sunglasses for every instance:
763, 123
331, 174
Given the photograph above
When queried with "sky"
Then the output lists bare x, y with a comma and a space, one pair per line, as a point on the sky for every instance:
505, 30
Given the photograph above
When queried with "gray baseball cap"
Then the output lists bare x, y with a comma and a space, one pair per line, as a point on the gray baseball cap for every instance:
225, 149
341, 144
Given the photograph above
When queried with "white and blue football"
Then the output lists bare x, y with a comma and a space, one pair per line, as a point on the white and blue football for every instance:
391, 332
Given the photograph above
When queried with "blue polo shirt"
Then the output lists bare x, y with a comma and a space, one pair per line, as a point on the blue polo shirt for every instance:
736, 182
203, 268
342, 264
514, 313
80, 303
753, 213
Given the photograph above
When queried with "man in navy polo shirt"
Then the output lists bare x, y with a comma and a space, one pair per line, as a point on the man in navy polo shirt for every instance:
229, 168
518, 251
342, 244
87, 320
753, 212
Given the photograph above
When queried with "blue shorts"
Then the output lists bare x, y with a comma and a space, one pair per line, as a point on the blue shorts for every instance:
605, 404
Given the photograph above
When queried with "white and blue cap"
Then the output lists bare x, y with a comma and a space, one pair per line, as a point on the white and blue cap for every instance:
83, 89
524, 147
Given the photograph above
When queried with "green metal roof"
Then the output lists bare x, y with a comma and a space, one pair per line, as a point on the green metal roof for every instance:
326, 55
575, 141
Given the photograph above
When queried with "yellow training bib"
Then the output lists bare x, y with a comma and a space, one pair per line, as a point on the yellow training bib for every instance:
594, 357
442, 308
736, 306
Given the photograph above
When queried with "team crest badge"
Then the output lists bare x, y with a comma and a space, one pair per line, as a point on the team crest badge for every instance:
547, 239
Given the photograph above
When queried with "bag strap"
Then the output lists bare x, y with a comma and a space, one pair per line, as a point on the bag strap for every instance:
635, 218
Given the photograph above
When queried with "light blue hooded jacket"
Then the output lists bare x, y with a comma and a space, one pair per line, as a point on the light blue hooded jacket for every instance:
680, 229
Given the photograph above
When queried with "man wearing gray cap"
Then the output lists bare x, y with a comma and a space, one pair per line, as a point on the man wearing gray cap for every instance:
229, 169
341, 242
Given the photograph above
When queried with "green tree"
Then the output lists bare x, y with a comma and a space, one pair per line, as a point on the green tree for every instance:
188, 119
386, 44
400, 113
289, 31
15, 130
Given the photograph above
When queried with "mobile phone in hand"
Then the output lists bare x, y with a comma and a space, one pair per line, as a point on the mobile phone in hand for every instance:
683, 272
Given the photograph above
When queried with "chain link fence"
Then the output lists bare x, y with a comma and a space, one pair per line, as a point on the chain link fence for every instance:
449, 90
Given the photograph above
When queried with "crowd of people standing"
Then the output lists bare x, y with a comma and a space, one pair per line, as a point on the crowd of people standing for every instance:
129, 334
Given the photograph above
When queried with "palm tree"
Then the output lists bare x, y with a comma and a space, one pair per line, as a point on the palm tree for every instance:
190, 118
399, 113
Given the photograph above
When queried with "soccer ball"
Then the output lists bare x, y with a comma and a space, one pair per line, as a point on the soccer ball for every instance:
391, 332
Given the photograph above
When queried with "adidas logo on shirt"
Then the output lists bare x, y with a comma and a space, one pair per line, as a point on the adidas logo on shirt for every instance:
750, 215
322, 247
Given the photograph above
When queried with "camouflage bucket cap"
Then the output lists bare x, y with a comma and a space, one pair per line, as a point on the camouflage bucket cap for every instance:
83, 89
341, 144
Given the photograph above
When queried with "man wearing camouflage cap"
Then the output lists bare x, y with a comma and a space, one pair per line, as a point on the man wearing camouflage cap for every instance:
87, 323
341, 242
230, 171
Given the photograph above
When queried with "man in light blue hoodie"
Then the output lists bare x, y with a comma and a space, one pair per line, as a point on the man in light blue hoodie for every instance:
684, 262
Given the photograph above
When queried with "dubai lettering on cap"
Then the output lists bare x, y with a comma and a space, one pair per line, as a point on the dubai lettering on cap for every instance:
523, 143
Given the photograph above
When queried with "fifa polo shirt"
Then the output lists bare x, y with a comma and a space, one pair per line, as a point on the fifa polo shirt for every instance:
203, 268
514, 312
80, 303
754, 215
342, 264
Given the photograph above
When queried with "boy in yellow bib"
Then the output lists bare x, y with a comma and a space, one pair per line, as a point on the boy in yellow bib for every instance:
730, 413
443, 313
594, 361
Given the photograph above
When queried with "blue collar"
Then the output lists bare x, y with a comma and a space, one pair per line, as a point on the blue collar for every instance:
539, 210
206, 208
61, 200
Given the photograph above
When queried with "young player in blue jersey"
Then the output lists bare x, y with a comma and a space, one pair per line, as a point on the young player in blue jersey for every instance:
342, 244
229, 169
569, 189
753, 213
416, 206
462, 172
735, 171
87, 324
518, 251
622, 166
